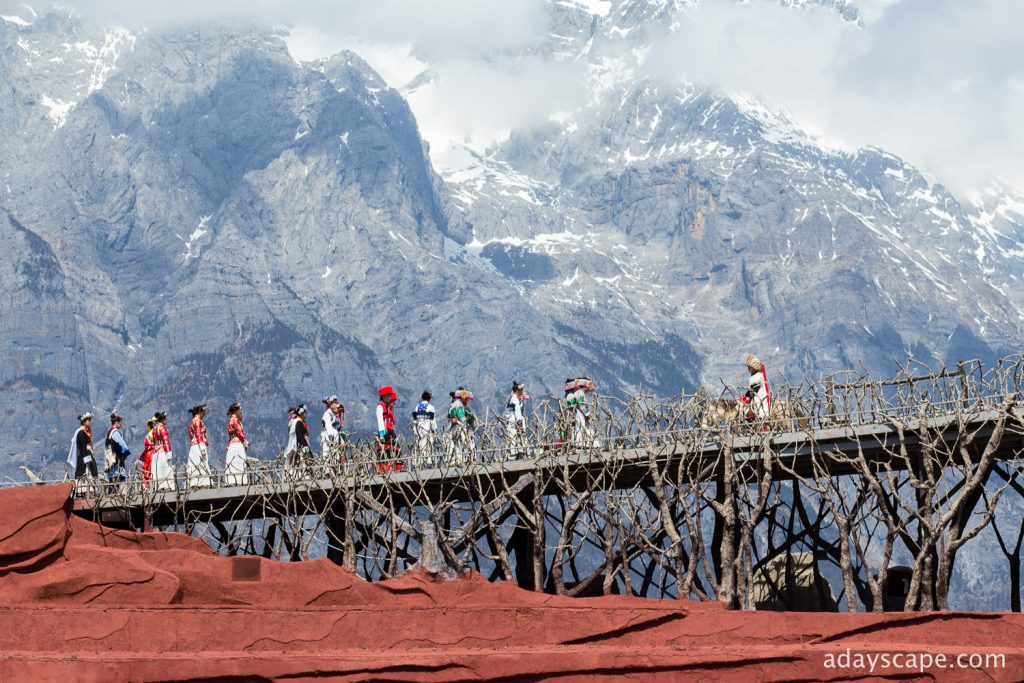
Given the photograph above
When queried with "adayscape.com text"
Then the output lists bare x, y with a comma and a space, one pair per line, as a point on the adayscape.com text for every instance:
874, 662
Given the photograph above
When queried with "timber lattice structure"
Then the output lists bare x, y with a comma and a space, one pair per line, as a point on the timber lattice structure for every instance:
661, 498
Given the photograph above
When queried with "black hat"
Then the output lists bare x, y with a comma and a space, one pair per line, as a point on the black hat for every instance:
160, 416
195, 410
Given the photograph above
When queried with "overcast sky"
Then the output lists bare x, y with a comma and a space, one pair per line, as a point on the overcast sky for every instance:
939, 82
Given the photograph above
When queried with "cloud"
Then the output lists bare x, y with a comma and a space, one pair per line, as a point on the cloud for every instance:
939, 82
438, 27
476, 103
482, 86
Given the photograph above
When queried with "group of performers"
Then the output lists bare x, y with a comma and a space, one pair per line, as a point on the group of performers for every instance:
158, 469
156, 459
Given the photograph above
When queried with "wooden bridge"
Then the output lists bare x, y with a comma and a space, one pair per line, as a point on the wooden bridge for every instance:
660, 499
793, 454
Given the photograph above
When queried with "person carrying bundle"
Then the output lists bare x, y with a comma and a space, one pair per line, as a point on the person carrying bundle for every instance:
757, 400
576, 391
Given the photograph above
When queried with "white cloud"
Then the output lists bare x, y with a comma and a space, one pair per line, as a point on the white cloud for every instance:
477, 103
939, 82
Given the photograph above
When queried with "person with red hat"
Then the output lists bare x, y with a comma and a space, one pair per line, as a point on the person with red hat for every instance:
388, 450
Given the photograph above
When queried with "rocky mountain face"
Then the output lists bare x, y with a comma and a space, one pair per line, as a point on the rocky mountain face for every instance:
682, 211
191, 215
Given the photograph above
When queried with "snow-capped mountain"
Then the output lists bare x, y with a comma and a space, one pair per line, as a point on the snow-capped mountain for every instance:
674, 209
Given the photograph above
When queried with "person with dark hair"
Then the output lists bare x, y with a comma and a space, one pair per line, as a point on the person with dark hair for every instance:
163, 458
329, 424
235, 470
515, 421
146, 458
197, 468
461, 422
339, 422
80, 455
388, 450
424, 431
116, 451
296, 451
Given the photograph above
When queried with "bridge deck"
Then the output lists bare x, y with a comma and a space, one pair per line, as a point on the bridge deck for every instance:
791, 452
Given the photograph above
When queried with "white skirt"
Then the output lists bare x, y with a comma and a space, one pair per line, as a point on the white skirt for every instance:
198, 467
234, 467
163, 471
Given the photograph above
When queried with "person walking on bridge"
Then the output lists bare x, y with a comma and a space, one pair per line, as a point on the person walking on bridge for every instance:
198, 465
758, 397
146, 457
461, 422
576, 391
80, 456
116, 451
163, 458
330, 425
388, 450
235, 467
515, 421
424, 432
297, 450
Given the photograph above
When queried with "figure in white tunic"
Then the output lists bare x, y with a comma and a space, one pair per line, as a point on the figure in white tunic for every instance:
235, 468
424, 432
758, 398
515, 422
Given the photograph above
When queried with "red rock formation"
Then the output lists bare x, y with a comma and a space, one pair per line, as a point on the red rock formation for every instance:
84, 603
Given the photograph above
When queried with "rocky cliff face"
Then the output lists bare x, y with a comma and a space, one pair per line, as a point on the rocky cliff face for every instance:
679, 210
190, 215
193, 216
